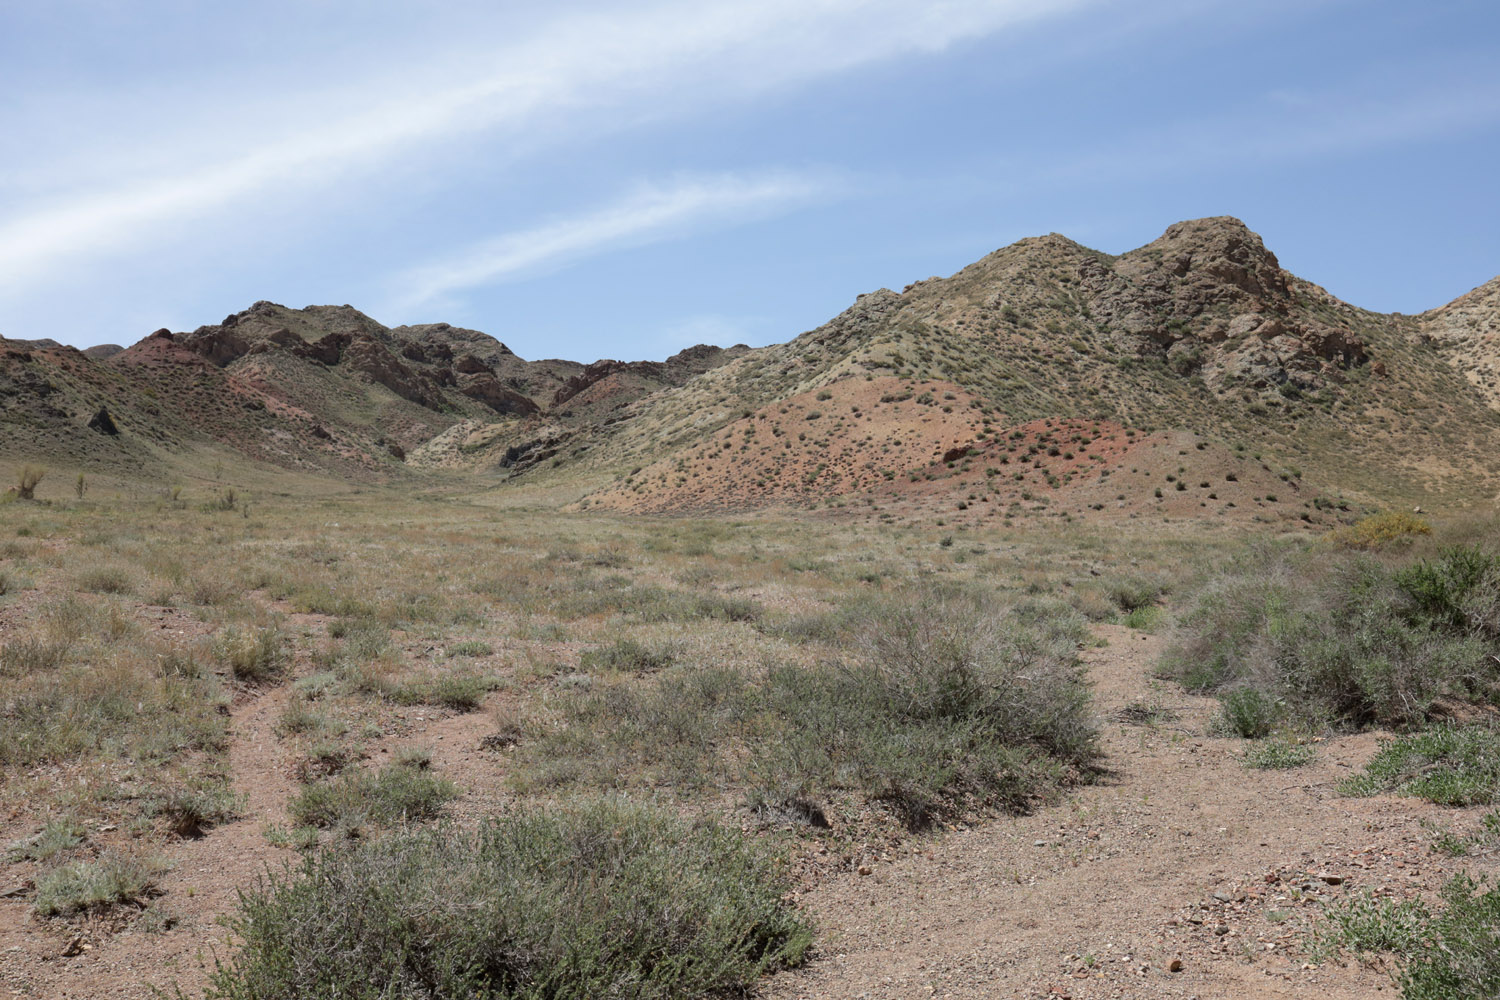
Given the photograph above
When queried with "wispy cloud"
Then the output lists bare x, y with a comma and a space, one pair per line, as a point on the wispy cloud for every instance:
1284, 126
649, 214
670, 54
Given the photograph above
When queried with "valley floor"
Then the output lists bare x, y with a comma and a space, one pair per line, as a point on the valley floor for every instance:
1181, 859
1182, 873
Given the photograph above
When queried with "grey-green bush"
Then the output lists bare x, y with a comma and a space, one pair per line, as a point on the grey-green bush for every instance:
606, 899
1347, 639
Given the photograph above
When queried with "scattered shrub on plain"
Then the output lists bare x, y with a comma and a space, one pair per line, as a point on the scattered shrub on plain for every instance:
1351, 640
114, 879
395, 794
626, 655
253, 655
1451, 955
599, 900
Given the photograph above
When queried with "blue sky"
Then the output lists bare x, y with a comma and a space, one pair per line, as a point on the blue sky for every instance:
627, 179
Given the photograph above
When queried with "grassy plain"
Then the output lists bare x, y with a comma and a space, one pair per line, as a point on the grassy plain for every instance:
743, 687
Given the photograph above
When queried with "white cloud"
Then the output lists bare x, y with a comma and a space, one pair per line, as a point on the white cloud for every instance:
650, 214
672, 54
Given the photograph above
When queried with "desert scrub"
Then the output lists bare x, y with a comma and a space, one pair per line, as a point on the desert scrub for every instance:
1451, 955
116, 703
956, 703
113, 879
57, 837
462, 692
1392, 528
1449, 765
949, 703
1349, 639
189, 811
603, 899
628, 656
396, 793
252, 654
1279, 754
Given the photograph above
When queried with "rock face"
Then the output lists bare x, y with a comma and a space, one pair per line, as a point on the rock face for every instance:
1467, 332
484, 387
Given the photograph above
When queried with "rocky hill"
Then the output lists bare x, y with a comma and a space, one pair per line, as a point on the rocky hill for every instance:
325, 388
1200, 331
898, 399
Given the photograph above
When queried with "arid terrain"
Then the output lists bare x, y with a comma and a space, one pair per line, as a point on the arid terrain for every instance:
1073, 626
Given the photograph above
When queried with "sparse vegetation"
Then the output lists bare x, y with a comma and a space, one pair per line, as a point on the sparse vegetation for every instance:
1449, 765
114, 879
954, 704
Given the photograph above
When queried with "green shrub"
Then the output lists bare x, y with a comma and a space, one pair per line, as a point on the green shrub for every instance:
1349, 640
114, 879
1280, 755
471, 648
1456, 766
1451, 955
1459, 590
603, 900
1249, 713
394, 794
1145, 619
626, 655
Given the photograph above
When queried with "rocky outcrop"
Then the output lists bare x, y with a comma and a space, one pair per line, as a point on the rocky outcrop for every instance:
1212, 299
484, 387
102, 423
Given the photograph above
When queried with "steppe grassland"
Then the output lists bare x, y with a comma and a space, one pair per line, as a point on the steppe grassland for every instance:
130, 627
714, 668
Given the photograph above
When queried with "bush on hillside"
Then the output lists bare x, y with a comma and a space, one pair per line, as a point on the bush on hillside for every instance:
1379, 531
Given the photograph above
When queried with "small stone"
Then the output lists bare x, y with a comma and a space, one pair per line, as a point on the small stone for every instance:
1039, 843
1175, 965
1332, 879
864, 869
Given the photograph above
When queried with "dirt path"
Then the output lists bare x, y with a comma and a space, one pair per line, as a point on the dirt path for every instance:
1098, 896
52, 960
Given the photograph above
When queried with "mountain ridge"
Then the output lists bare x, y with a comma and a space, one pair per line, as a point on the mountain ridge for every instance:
1200, 330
